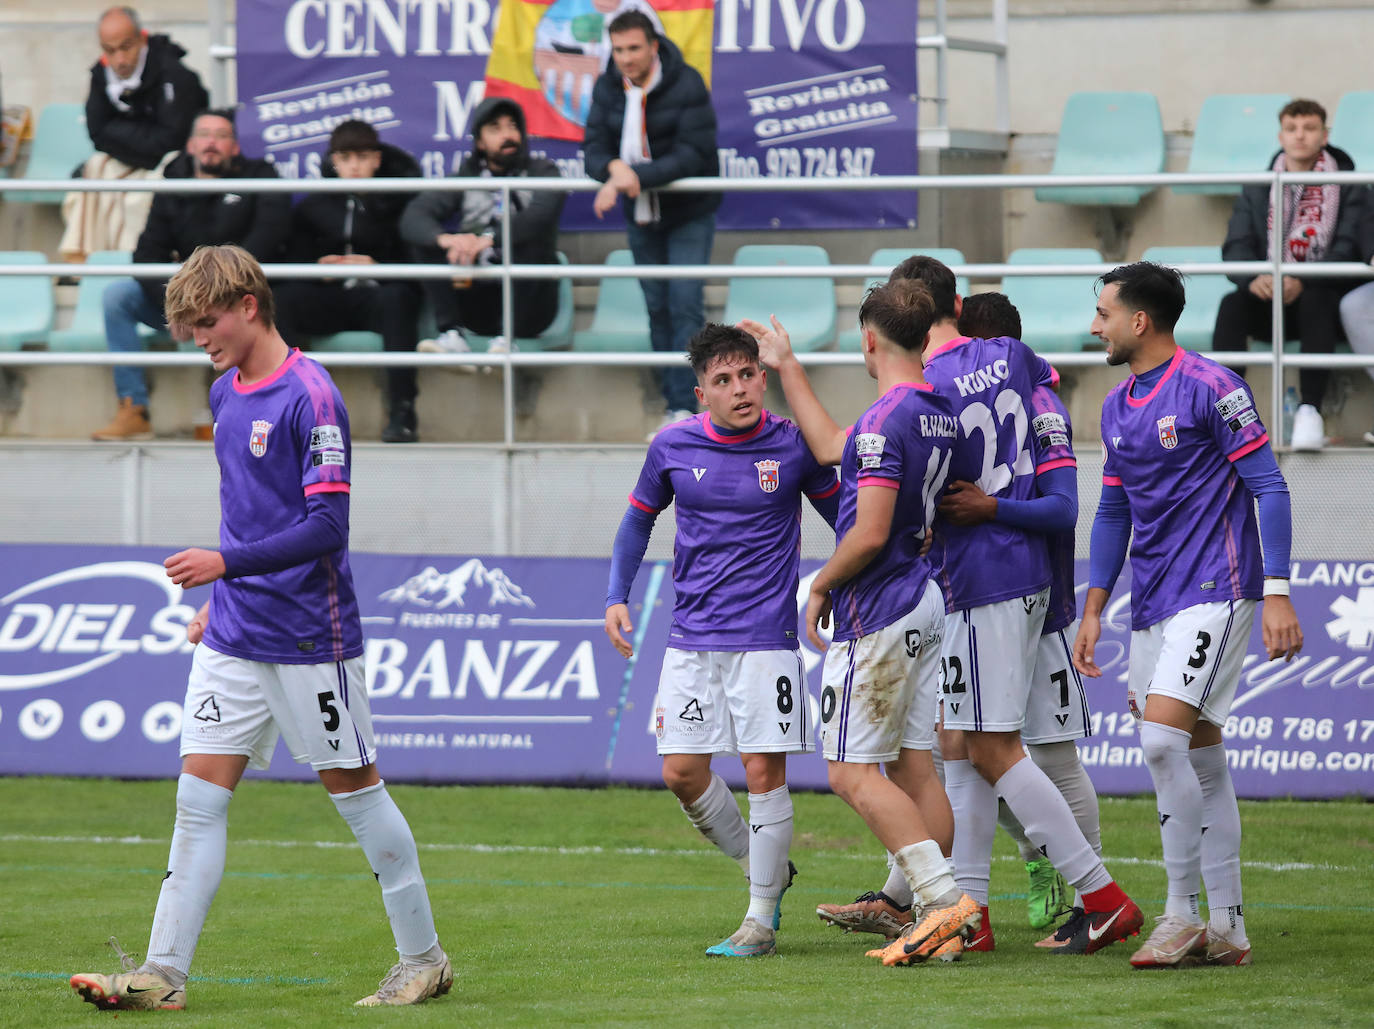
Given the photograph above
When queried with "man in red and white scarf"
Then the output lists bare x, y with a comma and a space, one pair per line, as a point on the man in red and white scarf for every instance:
1320, 223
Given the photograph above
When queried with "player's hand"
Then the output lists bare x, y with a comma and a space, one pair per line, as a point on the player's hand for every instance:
928, 542
1279, 629
624, 178
195, 628
1263, 286
1292, 287
817, 613
194, 567
965, 503
775, 345
605, 200
1089, 632
618, 628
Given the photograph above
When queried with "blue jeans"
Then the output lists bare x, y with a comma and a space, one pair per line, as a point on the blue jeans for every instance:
125, 306
677, 307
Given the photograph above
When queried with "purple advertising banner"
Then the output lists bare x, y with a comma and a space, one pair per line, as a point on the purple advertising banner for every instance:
801, 88
484, 670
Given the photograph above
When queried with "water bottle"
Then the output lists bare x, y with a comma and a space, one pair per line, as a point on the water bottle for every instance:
1290, 409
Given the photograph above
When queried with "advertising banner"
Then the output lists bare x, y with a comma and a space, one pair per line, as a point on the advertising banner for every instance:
801, 88
486, 670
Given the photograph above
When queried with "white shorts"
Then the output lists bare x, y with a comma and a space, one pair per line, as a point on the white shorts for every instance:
237, 706
733, 702
879, 694
987, 662
1194, 656
1057, 709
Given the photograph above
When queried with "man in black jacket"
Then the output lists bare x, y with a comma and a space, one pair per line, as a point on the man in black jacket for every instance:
464, 228
139, 108
357, 230
1320, 223
651, 122
177, 224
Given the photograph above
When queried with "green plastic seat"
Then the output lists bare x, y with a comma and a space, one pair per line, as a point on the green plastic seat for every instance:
1199, 318
1236, 132
1056, 310
87, 329
620, 323
558, 335
805, 306
27, 302
60, 145
1106, 134
890, 257
1352, 128
351, 341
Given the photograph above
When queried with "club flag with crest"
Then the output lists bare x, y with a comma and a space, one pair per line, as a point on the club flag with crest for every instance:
547, 54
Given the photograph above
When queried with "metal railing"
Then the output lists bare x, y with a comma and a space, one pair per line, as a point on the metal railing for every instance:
508, 273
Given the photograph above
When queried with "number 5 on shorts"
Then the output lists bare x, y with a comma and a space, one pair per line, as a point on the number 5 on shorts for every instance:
330, 712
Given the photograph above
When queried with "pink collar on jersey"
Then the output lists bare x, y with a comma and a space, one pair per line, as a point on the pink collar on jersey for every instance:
950, 345
924, 387
713, 433
1174, 362
282, 369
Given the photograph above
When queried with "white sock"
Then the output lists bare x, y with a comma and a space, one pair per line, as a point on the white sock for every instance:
1012, 827
897, 889
1178, 796
389, 845
927, 873
195, 867
975, 824
770, 837
717, 817
1220, 840
1060, 761
1045, 815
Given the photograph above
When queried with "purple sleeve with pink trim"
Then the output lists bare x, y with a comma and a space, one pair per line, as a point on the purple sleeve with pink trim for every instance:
654, 490
1260, 472
324, 531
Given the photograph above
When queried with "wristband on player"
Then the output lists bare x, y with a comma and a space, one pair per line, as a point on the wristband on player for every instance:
1276, 588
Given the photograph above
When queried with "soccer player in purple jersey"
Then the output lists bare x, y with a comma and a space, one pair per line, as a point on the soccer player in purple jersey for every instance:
878, 705
279, 642
1187, 458
996, 577
733, 680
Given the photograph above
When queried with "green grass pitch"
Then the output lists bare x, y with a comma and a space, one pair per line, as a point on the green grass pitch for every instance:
571, 907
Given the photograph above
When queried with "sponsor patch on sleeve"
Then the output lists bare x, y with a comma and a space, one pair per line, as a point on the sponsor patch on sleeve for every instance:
1243, 419
326, 437
1051, 429
869, 448
324, 457
1234, 403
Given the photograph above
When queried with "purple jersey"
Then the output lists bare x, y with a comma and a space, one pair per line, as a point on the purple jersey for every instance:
738, 544
1052, 446
989, 382
902, 442
279, 441
1194, 538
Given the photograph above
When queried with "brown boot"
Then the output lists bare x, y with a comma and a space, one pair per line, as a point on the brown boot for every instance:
130, 423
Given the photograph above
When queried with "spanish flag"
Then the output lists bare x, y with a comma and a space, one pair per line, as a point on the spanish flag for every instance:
547, 54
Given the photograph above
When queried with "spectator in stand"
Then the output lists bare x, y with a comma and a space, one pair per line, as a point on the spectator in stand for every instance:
357, 230
177, 224
138, 111
1320, 223
1357, 306
500, 148
651, 122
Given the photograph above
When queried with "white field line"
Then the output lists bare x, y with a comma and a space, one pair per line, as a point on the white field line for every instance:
515, 848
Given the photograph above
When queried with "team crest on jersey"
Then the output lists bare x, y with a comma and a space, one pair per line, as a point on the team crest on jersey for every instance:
1168, 435
257, 440
768, 475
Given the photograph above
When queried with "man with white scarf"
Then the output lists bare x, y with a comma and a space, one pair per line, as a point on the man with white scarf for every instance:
1320, 223
651, 122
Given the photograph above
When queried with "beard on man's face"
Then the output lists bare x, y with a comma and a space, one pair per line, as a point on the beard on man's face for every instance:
506, 157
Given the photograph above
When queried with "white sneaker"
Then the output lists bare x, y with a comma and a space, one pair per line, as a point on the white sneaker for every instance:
450, 341
498, 346
411, 984
1309, 432
1369, 437
671, 418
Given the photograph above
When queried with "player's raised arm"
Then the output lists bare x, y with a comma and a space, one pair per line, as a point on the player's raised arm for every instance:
823, 435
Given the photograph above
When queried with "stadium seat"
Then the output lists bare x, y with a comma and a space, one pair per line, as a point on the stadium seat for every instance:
620, 322
890, 257
1056, 310
559, 333
27, 302
1194, 328
806, 306
353, 341
87, 328
1236, 132
1106, 134
60, 145
1352, 128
